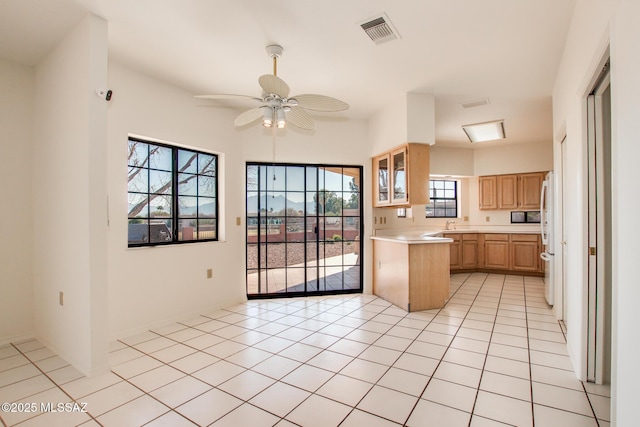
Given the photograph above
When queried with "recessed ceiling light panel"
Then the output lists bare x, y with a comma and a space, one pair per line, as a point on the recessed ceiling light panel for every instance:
469, 103
487, 131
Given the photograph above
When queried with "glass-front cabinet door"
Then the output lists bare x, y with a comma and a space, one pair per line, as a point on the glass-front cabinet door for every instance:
383, 180
399, 169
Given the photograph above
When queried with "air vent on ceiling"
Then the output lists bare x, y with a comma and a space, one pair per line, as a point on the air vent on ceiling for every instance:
474, 102
380, 29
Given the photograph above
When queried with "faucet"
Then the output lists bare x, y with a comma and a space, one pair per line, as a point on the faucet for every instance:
451, 222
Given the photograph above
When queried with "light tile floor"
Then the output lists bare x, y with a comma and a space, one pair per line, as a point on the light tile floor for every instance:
494, 356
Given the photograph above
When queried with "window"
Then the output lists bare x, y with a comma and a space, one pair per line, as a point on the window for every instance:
444, 199
172, 194
304, 228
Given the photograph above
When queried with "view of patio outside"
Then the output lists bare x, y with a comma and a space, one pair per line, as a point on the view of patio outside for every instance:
303, 229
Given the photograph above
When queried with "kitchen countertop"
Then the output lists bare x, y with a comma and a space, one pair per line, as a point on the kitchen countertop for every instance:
420, 236
414, 239
492, 231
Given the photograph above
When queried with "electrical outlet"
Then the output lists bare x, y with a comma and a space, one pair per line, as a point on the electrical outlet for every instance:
487, 219
209, 273
238, 221
61, 298
466, 218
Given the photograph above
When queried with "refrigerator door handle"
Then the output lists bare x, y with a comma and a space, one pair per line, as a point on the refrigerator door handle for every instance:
543, 219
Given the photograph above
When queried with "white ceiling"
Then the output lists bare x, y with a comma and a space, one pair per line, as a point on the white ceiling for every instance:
458, 50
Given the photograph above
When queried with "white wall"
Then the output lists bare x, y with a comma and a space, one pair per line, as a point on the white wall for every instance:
597, 24
516, 158
388, 127
451, 161
69, 203
151, 286
586, 44
16, 245
625, 56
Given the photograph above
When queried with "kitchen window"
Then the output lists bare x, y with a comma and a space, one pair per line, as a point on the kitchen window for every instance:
443, 196
172, 194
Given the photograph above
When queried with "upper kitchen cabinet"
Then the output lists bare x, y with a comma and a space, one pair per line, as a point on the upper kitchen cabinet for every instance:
529, 187
507, 191
488, 196
401, 176
510, 192
381, 169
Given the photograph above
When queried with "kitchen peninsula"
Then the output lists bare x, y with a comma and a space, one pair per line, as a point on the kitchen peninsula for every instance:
412, 271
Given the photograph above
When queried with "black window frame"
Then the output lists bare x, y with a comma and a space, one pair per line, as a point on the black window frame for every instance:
172, 222
437, 196
314, 248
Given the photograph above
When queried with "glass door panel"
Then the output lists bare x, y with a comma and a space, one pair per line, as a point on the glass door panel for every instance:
399, 176
383, 180
303, 229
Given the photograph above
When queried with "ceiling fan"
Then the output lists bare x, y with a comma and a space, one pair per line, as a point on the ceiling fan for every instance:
277, 107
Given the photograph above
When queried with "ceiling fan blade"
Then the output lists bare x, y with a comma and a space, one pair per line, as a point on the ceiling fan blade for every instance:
229, 96
249, 116
320, 103
298, 117
274, 84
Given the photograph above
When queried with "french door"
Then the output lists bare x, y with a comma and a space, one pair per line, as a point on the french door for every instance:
303, 228
600, 231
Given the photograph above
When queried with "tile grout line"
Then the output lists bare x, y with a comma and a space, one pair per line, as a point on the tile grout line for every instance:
317, 309
53, 382
488, 346
526, 318
246, 369
449, 345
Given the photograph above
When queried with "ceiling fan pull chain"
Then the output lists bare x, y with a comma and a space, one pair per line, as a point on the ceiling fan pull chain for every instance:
273, 147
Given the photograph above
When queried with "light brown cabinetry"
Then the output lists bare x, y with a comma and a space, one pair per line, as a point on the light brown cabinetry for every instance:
525, 252
455, 249
507, 191
488, 196
510, 252
529, 187
401, 176
496, 251
469, 251
413, 277
464, 251
510, 192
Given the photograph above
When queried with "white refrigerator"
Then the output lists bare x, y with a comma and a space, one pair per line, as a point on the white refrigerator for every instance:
546, 229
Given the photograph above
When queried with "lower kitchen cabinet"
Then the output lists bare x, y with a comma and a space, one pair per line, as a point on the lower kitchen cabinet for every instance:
525, 252
496, 252
464, 251
469, 251
455, 251
414, 277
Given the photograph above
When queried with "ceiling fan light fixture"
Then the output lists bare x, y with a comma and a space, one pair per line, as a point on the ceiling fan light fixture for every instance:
267, 119
280, 118
486, 131
277, 109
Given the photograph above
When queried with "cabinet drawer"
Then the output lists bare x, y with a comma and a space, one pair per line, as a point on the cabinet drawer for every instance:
454, 236
524, 237
468, 237
497, 237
